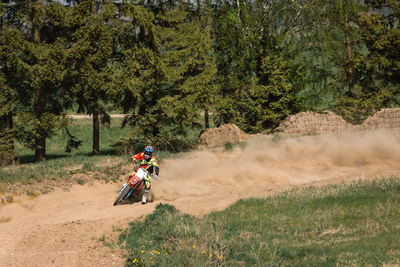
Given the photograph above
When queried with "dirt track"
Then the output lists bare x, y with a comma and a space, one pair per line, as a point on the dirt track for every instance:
63, 228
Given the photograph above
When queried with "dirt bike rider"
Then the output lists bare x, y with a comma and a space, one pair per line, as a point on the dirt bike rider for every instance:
146, 160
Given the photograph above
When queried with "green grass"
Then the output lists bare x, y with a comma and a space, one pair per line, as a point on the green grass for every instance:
107, 168
63, 165
355, 224
82, 130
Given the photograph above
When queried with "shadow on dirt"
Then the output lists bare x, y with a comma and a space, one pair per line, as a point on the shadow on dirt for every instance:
137, 199
5, 219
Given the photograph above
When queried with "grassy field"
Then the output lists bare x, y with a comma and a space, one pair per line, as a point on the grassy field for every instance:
352, 224
82, 130
73, 166
66, 166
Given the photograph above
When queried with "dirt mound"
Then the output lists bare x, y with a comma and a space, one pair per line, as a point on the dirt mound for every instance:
303, 123
312, 123
383, 119
227, 133
315, 123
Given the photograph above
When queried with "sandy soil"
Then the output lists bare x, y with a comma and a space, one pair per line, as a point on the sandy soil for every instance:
66, 228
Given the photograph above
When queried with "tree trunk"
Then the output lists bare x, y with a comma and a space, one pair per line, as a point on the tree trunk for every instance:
206, 119
11, 127
6, 141
40, 150
349, 59
40, 146
96, 133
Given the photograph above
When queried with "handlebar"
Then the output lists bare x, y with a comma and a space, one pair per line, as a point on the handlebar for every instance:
146, 171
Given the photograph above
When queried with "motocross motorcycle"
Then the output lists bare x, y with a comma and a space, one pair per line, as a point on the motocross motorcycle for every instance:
134, 187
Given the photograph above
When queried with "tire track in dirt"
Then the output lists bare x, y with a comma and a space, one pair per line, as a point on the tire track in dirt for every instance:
65, 228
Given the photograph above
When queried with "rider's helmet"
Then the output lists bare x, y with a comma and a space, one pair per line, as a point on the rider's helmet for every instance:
148, 152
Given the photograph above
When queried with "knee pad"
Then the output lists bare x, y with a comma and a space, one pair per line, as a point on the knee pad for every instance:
147, 186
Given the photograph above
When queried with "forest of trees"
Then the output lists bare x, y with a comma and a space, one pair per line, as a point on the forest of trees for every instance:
171, 63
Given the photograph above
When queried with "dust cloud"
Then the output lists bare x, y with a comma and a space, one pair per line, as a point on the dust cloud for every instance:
266, 163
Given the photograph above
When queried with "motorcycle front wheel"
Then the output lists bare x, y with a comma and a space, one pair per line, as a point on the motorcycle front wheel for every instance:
122, 194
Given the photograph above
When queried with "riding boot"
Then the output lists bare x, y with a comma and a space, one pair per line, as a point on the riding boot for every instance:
144, 198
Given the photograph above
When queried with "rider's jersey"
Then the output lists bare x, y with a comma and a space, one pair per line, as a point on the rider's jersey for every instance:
146, 164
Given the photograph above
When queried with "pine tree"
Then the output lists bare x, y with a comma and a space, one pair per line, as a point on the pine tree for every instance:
7, 102
252, 41
335, 57
201, 81
33, 69
380, 66
186, 55
88, 59
168, 71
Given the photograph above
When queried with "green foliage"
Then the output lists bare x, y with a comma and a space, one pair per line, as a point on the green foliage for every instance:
167, 74
62, 169
6, 146
346, 57
89, 54
34, 69
251, 63
376, 70
277, 97
356, 109
6, 124
80, 181
169, 238
72, 142
91, 48
259, 83
172, 143
312, 226
31, 128
64, 165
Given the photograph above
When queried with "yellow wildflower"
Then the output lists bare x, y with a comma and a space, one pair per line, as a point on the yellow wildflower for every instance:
194, 246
